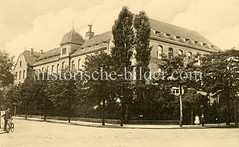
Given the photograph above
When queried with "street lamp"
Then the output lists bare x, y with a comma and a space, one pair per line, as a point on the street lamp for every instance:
202, 116
121, 110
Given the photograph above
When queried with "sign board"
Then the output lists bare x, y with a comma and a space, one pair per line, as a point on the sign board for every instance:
2, 119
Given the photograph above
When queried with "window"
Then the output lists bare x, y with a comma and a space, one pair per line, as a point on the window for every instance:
16, 76
198, 58
79, 64
63, 65
170, 53
159, 70
19, 75
63, 51
189, 55
73, 65
57, 68
42, 69
160, 52
20, 63
52, 68
23, 74
180, 52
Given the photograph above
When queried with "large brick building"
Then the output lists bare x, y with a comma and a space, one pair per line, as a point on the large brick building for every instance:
165, 39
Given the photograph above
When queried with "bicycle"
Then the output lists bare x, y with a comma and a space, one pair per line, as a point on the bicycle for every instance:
10, 126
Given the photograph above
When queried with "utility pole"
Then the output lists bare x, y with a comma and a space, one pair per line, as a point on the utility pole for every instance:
181, 106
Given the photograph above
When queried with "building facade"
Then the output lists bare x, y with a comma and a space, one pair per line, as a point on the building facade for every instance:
165, 39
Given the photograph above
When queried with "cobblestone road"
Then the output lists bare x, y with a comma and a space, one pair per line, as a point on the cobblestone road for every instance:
34, 134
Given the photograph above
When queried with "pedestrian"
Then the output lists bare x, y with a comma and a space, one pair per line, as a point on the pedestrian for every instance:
202, 119
197, 121
6, 116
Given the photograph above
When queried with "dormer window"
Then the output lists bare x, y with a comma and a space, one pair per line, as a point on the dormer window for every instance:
180, 52
160, 52
63, 51
170, 53
189, 55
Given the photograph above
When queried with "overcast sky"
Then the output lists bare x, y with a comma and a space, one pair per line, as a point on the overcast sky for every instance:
41, 24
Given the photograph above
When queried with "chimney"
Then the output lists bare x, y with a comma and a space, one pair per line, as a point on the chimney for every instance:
32, 51
89, 34
41, 52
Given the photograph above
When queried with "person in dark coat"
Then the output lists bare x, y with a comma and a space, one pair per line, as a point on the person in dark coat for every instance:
6, 116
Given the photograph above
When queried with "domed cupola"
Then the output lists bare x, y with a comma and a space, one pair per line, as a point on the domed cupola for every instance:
72, 37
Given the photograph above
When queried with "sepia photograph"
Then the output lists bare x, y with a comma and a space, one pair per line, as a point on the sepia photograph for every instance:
122, 73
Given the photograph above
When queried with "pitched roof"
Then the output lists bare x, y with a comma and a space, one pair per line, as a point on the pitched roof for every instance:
177, 31
50, 53
95, 41
31, 57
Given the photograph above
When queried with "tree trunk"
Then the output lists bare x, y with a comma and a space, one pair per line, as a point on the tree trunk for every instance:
44, 112
228, 114
121, 108
181, 107
235, 116
69, 110
191, 116
15, 110
26, 110
103, 113
122, 115
127, 113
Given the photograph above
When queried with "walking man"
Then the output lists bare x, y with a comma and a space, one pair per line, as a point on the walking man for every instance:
6, 116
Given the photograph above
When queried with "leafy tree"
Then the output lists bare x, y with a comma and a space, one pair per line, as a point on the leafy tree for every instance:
142, 56
6, 67
177, 69
62, 93
27, 93
42, 97
123, 39
101, 87
221, 77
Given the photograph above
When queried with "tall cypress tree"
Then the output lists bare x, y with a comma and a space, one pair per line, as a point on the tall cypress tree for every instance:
142, 46
123, 38
143, 49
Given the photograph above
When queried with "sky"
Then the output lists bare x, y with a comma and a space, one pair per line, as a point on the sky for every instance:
41, 24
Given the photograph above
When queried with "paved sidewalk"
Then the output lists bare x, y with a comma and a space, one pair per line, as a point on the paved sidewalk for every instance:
130, 126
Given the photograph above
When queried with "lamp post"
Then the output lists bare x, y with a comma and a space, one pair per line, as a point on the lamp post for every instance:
181, 106
121, 110
202, 116
181, 92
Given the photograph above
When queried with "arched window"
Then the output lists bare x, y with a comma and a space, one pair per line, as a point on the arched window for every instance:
52, 68
160, 52
63, 65
180, 52
57, 68
73, 65
19, 75
189, 55
16, 76
79, 64
170, 53
23, 74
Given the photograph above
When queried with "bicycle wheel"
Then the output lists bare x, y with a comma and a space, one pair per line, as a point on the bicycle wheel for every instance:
8, 128
12, 127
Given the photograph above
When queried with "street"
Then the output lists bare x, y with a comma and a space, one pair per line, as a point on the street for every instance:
34, 133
